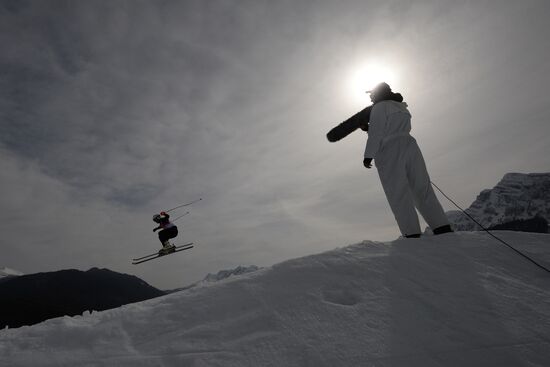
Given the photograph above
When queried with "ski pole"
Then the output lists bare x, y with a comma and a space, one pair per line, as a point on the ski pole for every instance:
193, 202
183, 215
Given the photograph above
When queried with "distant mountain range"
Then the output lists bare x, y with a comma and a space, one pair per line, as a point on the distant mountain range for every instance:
518, 202
7, 272
33, 298
224, 274
30, 299
220, 275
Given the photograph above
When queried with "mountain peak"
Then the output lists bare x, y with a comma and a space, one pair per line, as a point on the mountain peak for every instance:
6, 272
517, 196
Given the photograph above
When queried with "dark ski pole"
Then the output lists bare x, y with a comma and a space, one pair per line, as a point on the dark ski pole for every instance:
182, 205
183, 215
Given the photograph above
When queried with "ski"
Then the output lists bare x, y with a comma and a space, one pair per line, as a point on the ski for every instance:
155, 255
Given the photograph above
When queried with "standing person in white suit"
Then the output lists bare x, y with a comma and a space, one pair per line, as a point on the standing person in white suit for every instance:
401, 166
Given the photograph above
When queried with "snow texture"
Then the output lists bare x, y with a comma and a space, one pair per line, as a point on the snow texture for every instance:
224, 274
459, 299
516, 196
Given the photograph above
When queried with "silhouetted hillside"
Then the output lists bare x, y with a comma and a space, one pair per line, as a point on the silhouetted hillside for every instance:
30, 299
536, 224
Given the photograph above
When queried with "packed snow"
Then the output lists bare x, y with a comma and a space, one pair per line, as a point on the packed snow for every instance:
459, 299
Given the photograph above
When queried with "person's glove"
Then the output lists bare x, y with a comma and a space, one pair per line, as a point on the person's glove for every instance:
367, 162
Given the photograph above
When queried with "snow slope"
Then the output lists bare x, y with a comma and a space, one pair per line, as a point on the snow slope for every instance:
459, 299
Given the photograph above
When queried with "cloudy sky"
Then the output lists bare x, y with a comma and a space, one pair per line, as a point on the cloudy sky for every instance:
111, 111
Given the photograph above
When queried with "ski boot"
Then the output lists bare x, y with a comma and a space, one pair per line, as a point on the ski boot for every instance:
167, 248
443, 229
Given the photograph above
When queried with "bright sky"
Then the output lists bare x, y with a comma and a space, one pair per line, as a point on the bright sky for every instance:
113, 111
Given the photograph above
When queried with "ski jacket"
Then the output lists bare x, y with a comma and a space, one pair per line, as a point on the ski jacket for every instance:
388, 119
166, 225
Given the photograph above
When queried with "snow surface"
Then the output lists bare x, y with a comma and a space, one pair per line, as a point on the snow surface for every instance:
459, 299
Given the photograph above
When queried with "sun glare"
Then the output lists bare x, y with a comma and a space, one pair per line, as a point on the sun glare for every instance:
366, 77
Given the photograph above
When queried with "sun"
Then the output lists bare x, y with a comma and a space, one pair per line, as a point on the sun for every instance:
366, 77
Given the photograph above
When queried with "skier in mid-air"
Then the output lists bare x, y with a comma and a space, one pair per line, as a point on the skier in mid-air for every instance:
168, 230
400, 165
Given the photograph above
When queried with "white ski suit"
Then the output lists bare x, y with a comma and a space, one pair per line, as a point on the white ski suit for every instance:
401, 168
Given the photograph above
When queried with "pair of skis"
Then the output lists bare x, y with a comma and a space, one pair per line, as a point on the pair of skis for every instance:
156, 255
